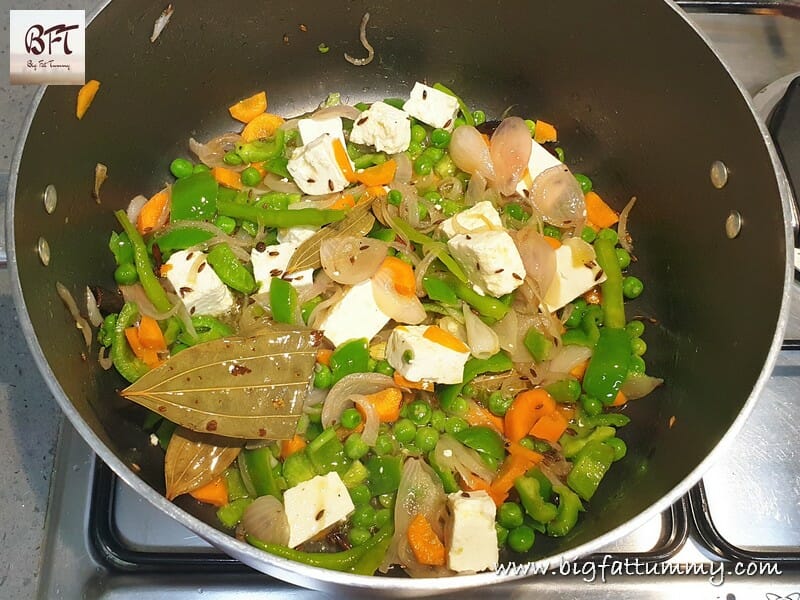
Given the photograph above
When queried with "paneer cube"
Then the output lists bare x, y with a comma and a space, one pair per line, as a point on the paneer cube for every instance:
315, 505
296, 235
417, 356
481, 217
572, 279
539, 162
200, 288
385, 127
355, 316
432, 107
313, 127
315, 169
491, 261
272, 262
471, 538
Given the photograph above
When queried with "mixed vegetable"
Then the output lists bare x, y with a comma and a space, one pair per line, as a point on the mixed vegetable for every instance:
388, 334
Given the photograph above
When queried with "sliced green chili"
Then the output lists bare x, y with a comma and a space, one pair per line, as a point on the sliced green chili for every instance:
150, 284
128, 365
279, 218
230, 270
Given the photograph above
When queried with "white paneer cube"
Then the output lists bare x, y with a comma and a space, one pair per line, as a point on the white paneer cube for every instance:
200, 288
481, 217
572, 279
471, 537
314, 167
355, 316
314, 505
296, 235
385, 127
490, 259
432, 107
538, 163
417, 357
313, 127
272, 262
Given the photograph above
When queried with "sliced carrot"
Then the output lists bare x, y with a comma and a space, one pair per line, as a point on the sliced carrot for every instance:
386, 403
343, 202
150, 334
473, 483
263, 126
324, 356
343, 161
215, 492
375, 191
86, 96
515, 465
568, 412
544, 132
401, 381
444, 338
525, 410
527, 454
151, 212
477, 415
550, 427
381, 174
227, 177
290, 446
428, 549
620, 400
554, 243
147, 355
402, 275
248, 109
598, 212
578, 370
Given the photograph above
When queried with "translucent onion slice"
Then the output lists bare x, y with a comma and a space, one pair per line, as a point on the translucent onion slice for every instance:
135, 207
538, 257
582, 252
395, 305
639, 385
81, 323
341, 394
510, 151
371, 420
470, 152
569, 357
481, 339
92, 310
265, 520
212, 152
452, 455
558, 197
625, 239
349, 260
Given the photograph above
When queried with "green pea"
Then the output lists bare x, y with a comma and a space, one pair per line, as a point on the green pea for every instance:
445, 167
360, 494
423, 165
404, 431
440, 138
531, 126
468, 391
520, 539
541, 446
588, 234
515, 211
499, 403
632, 287
635, 328
578, 310
384, 368
453, 425
355, 447
458, 406
426, 438
637, 364
384, 445
372, 364
418, 133
323, 378
126, 274
250, 177
358, 536
250, 228
432, 196
231, 158
363, 516
382, 517
414, 149
438, 420
180, 167
200, 168
527, 442
502, 534
551, 231
433, 154
419, 412
623, 258
584, 182
227, 224
459, 122
351, 418
608, 234
591, 405
638, 346
394, 197
619, 446
509, 515
479, 117
422, 211
386, 500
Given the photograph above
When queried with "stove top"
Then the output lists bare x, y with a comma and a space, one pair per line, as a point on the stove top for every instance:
735, 535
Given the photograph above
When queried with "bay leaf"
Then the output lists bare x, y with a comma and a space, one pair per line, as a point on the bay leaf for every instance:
195, 459
357, 223
240, 387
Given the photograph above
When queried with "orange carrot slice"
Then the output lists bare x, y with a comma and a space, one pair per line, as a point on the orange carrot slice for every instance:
248, 109
444, 338
227, 177
86, 96
262, 126
544, 132
151, 212
214, 492
428, 549
598, 212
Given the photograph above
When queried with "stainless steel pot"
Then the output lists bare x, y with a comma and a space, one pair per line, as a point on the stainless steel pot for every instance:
642, 104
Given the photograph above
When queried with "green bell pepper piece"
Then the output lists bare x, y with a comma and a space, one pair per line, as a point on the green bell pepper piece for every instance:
121, 247
232, 272
485, 441
236, 486
449, 482
492, 308
164, 433
308, 307
538, 344
144, 268
530, 496
545, 485
350, 357
173, 329
277, 200
326, 453
588, 332
262, 150
608, 366
194, 198
278, 165
256, 465
572, 445
384, 474
356, 474
128, 365
106, 333
496, 363
569, 504
207, 329
438, 290
589, 467
372, 559
606, 419
282, 300
180, 238
613, 298
297, 468
230, 514
564, 390
279, 218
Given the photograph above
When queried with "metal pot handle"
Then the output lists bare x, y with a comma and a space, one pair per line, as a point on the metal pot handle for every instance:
4, 191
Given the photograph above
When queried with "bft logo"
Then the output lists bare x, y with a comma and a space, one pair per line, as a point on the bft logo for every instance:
47, 47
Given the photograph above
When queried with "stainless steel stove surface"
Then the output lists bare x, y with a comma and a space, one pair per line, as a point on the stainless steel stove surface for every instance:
735, 536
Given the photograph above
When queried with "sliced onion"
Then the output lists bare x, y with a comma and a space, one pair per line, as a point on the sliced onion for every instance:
371, 420
92, 310
135, 293
558, 197
315, 318
481, 339
454, 328
322, 283
422, 268
569, 357
212, 152
265, 519
135, 207
476, 190
510, 151
404, 170
451, 188
397, 306
100, 175
452, 455
339, 396
582, 252
275, 183
511, 331
350, 260
639, 385
625, 239
103, 359
538, 257
72, 307
470, 152
344, 111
